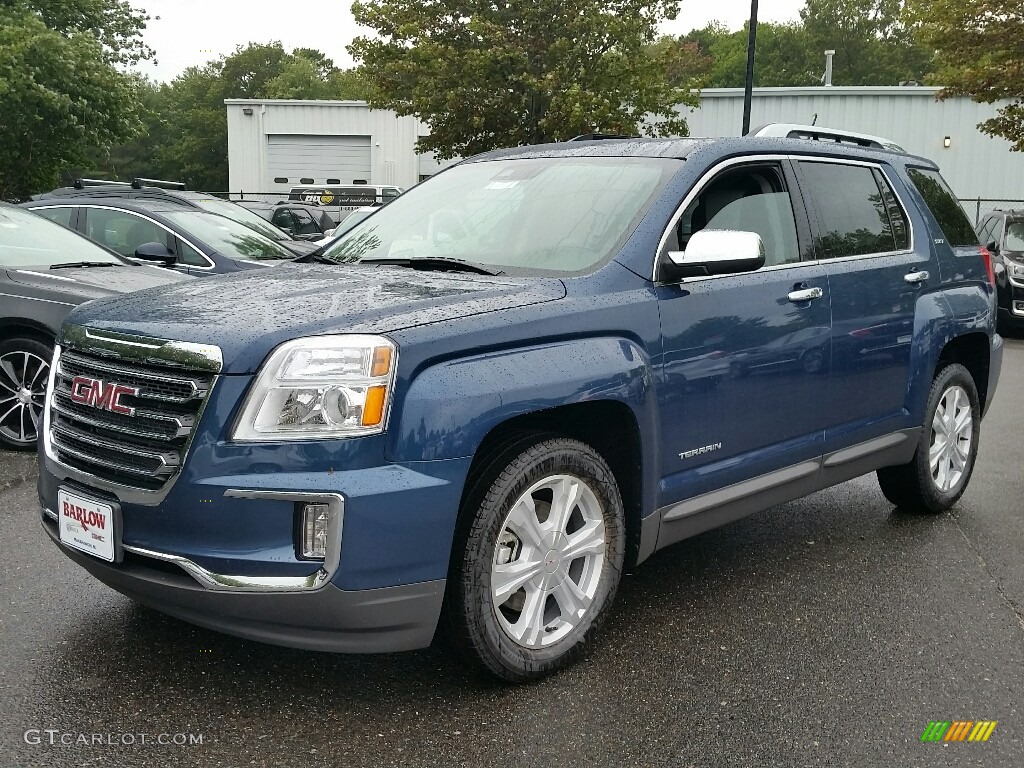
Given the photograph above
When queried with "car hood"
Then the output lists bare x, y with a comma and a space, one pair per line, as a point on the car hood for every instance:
87, 283
248, 314
301, 247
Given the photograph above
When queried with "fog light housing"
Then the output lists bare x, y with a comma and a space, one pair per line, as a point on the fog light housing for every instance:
1018, 307
313, 531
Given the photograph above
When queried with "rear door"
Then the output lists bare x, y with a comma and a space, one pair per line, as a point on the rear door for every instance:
864, 239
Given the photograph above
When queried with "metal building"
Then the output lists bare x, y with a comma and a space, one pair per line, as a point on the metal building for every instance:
975, 164
277, 144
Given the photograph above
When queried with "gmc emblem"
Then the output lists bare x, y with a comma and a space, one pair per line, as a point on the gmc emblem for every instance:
102, 394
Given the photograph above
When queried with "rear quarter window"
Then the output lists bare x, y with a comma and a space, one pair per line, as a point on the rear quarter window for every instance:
941, 201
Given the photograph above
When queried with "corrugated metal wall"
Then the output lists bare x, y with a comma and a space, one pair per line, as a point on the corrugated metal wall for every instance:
393, 159
975, 164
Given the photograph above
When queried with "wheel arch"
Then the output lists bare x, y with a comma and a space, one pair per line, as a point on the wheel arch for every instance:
13, 327
621, 448
973, 352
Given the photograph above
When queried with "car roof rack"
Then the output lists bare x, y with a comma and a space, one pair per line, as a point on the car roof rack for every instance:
816, 133
83, 183
139, 183
602, 136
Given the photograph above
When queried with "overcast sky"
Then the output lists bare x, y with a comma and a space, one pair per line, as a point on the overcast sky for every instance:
187, 32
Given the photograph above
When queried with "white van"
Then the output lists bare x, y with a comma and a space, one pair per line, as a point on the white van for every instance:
340, 201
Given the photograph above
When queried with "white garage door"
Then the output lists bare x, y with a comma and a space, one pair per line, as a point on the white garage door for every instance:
295, 160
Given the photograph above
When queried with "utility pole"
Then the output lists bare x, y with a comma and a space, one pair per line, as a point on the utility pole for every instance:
749, 83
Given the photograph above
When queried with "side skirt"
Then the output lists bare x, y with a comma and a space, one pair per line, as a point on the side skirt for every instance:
716, 508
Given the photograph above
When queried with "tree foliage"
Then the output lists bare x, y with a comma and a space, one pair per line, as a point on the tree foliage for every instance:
185, 130
486, 75
873, 46
980, 45
61, 95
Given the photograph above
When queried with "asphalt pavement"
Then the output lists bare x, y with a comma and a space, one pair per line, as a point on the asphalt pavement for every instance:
828, 631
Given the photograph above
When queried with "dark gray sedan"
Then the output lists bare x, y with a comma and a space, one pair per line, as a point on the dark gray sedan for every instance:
46, 270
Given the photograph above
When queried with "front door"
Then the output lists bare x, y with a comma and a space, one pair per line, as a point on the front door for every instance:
746, 356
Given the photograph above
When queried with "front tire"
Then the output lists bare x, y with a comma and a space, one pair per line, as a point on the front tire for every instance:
538, 560
937, 476
24, 372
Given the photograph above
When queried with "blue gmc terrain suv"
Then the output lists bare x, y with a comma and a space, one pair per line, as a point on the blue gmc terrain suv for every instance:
530, 372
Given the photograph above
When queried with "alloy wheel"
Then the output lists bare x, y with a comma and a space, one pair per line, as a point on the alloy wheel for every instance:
23, 378
952, 431
548, 561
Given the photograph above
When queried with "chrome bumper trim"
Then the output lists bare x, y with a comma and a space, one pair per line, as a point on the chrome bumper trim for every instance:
224, 583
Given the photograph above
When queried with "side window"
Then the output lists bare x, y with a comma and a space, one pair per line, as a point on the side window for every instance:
190, 256
121, 231
304, 224
941, 201
283, 219
60, 216
987, 230
897, 216
750, 199
853, 218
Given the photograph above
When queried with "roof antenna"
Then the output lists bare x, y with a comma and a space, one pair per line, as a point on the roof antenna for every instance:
815, 120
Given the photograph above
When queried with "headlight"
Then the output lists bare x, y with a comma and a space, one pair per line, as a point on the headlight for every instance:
1015, 270
321, 386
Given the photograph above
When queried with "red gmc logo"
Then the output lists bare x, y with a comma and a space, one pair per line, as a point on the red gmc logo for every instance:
102, 394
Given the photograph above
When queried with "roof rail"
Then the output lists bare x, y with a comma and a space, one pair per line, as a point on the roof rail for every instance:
83, 183
139, 183
815, 133
602, 136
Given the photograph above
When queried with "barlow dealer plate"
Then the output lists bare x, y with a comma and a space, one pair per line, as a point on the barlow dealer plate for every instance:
86, 524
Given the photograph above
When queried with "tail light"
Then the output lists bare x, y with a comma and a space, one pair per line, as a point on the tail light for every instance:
987, 258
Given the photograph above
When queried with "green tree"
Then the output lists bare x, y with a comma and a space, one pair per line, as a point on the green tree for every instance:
185, 134
61, 95
485, 75
980, 45
873, 44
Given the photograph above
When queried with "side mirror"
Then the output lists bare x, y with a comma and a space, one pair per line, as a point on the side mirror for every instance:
993, 247
718, 252
157, 252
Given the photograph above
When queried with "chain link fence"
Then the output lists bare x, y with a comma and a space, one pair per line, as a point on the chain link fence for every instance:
980, 207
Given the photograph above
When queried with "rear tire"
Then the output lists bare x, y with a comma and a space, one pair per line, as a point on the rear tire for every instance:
537, 559
937, 476
24, 371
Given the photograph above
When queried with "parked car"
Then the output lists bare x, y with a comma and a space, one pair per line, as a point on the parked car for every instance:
186, 239
175, 192
341, 201
300, 220
350, 221
1003, 233
478, 398
45, 270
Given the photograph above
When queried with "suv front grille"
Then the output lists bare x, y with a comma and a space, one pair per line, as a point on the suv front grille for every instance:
142, 450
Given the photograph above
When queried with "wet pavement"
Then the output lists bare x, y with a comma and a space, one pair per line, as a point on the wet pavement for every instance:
826, 631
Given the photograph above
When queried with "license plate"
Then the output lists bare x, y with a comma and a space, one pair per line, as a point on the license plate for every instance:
86, 524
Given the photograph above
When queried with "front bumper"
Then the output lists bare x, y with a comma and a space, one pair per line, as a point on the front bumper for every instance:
381, 620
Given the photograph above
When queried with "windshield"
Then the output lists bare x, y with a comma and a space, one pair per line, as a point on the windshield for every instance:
28, 240
242, 215
1014, 240
561, 215
228, 237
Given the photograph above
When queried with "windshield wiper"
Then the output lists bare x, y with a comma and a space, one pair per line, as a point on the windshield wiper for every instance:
314, 256
435, 263
73, 264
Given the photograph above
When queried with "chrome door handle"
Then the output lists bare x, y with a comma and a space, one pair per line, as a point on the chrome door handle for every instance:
805, 294
916, 277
